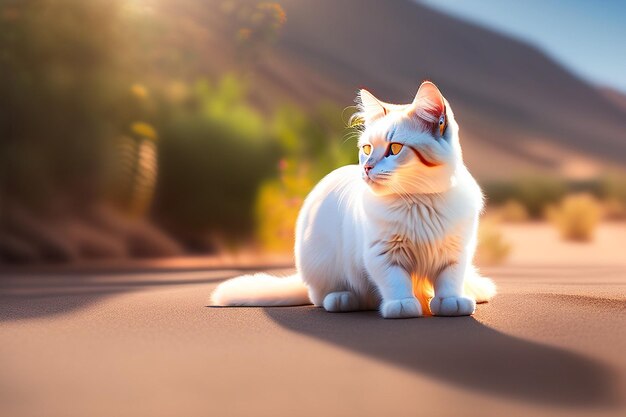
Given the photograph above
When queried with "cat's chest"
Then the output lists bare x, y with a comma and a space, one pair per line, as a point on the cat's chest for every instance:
421, 257
421, 238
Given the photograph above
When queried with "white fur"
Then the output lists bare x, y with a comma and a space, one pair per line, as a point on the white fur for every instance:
261, 290
391, 239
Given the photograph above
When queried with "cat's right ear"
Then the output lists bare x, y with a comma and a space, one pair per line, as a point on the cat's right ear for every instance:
370, 108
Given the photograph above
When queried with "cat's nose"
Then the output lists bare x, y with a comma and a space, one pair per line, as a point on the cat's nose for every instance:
367, 168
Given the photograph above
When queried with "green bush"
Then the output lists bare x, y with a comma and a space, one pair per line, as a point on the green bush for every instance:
311, 146
58, 81
534, 193
215, 150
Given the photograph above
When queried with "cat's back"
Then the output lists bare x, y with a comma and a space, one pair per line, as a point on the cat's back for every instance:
338, 188
324, 210
325, 218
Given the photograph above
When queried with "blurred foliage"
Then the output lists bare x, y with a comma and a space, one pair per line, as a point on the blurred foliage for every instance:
215, 151
613, 188
576, 217
113, 101
513, 211
533, 192
277, 209
259, 25
492, 248
614, 210
58, 95
312, 145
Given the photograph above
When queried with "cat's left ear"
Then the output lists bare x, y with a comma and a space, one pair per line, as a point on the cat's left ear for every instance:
370, 108
430, 106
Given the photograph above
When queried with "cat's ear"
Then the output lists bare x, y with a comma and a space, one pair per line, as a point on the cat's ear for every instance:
370, 108
428, 104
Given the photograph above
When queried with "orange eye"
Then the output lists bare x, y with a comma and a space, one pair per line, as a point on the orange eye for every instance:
367, 149
396, 148
442, 124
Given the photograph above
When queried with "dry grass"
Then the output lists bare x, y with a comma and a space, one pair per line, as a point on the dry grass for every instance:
493, 248
513, 212
614, 209
576, 217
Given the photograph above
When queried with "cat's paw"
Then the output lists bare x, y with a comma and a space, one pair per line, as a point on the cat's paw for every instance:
452, 306
337, 302
401, 309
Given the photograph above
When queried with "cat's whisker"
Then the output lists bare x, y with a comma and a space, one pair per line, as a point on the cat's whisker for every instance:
403, 193
351, 136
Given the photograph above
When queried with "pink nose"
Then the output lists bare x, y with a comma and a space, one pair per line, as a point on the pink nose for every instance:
367, 169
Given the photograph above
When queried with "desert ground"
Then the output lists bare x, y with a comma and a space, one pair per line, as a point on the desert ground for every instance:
140, 340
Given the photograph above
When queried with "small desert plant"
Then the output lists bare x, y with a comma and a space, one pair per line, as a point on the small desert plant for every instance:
277, 207
513, 211
576, 216
613, 187
533, 192
614, 209
492, 246
613, 194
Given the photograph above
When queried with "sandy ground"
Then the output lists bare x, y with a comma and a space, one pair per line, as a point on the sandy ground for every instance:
145, 344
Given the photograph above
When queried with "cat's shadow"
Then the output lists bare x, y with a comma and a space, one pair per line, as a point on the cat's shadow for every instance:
463, 352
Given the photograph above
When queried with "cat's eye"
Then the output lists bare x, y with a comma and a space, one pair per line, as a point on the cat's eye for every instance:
442, 124
396, 148
367, 149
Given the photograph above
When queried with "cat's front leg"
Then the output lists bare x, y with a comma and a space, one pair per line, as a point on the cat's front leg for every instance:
396, 290
449, 299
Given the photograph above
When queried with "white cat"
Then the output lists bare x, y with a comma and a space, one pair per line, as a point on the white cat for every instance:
397, 232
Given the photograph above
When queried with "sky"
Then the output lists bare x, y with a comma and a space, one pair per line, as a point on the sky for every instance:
588, 37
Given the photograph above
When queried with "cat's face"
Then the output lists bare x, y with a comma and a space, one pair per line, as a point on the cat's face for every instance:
408, 149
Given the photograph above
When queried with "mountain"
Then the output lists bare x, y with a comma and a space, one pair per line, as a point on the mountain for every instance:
617, 97
518, 109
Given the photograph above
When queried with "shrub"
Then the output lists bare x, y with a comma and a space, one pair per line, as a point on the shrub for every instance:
312, 146
613, 193
513, 211
614, 209
534, 193
215, 151
58, 81
492, 246
277, 207
576, 216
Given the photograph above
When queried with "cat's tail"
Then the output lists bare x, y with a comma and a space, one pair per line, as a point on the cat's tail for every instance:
479, 287
261, 290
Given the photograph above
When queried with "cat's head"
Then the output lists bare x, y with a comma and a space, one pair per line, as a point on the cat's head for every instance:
408, 149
